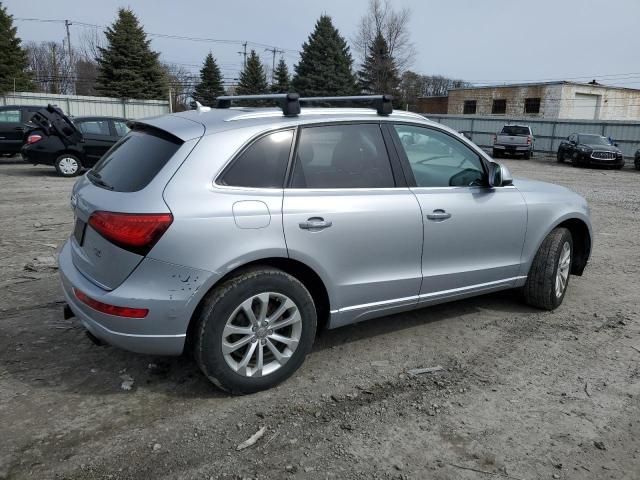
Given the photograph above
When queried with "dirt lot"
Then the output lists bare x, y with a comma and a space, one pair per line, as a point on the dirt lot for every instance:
524, 394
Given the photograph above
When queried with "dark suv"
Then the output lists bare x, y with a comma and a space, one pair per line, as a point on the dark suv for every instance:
12, 126
70, 145
589, 149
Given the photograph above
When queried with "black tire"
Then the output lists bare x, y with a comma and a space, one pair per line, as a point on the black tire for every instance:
64, 165
496, 153
575, 161
539, 290
219, 307
636, 163
560, 156
527, 155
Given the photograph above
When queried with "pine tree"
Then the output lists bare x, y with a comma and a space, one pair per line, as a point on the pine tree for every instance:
13, 58
325, 63
379, 73
253, 80
127, 67
210, 85
281, 82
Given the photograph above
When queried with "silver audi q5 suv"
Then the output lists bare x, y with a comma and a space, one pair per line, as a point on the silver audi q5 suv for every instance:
235, 233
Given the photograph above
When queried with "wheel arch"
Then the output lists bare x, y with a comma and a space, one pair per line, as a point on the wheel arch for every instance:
302, 272
581, 236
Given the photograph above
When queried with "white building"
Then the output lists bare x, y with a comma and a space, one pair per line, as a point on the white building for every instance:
554, 100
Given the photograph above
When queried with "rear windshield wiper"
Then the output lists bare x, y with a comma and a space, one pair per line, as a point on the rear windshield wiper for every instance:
96, 179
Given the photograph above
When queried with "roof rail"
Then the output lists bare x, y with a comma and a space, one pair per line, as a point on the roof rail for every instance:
290, 102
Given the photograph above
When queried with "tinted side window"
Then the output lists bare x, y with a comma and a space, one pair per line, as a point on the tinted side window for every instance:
94, 127
263, 164
10, 116
121, 128
439, 160
342, 156
132, 163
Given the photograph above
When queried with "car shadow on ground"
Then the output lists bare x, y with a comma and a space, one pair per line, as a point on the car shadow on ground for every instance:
63, 358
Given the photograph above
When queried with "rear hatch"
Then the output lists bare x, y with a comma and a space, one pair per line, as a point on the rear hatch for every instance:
119, 208
52, 121
513, 135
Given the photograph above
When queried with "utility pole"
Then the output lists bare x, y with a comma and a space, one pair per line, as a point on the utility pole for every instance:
244, 55
67, 24
274, 51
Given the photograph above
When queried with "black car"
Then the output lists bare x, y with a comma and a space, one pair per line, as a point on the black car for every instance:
589, 149
636, 160
12, 126
70, 145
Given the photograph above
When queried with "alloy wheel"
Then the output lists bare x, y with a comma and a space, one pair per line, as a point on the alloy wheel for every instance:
562, 275
68, 165
261, 334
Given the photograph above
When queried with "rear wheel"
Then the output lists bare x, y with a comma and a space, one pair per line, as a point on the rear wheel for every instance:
549, 274
636, 163
560, 156
68, 165
496, 153
255, 330
527, 155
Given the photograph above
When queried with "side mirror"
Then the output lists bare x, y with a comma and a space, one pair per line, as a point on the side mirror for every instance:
499, 175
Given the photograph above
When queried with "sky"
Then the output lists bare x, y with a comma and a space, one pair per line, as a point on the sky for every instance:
482, 41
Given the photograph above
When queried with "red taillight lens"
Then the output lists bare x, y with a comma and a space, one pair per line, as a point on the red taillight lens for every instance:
529, 140
495, 138
132, 231
33, 138
110, 309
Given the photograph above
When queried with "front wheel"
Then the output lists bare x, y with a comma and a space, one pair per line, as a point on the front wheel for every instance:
68, 165
549, 274
255, 330
527, 155
560, 156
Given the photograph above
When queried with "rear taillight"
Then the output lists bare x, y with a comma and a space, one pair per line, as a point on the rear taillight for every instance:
495, 138
136, 232
529, 140
33, 138
110, 309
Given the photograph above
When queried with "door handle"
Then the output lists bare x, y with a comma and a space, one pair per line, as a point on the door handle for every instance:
438, 215
315, 223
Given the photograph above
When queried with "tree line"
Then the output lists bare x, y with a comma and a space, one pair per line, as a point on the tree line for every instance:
125, 66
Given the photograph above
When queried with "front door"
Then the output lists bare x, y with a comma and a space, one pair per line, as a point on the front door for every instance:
345, 216
473, 234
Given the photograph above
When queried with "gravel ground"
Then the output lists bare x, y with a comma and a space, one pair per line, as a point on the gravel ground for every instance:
523, 394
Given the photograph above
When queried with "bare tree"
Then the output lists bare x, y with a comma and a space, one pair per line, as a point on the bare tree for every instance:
181, 84
394, 26
414, 85
52, 67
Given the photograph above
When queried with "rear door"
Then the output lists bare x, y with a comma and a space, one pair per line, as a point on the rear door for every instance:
473, 234
347, 216
98, 138
11, 130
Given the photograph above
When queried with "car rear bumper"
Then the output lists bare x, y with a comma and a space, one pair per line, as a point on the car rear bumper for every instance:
514, 148
37, 157
158, 286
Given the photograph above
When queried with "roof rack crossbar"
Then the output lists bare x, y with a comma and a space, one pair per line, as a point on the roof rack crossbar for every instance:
290, 102
382, 103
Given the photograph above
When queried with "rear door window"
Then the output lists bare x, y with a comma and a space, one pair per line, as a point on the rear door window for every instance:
134, 161
94, 127
515, 130
263, 164
10, 116
121, 128
342, 156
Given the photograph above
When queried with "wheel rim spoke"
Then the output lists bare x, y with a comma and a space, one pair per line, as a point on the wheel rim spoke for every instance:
289, 342
562, 275
232, 347
286, 305
247, 308
294, 318
280, 358
242, 366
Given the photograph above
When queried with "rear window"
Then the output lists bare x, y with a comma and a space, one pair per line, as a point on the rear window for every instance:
515, 130
133, 162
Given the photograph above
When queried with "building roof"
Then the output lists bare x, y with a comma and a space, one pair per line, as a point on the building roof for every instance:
539, 84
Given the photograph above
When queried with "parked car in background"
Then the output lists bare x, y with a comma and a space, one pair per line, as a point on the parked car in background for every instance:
70, 145
237, 233
514, 139
636, 160
584, 149
13, 119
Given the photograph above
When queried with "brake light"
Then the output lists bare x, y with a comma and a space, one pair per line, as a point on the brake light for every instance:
529, 140
127, 312
136, 232
33, 138
495, 138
